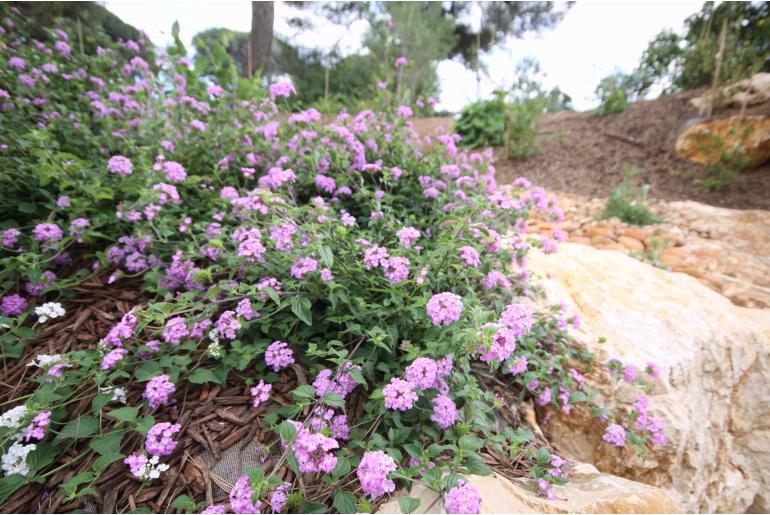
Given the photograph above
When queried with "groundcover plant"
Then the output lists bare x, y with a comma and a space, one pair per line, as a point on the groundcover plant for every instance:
357, 287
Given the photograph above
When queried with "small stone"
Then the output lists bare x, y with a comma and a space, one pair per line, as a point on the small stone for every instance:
611, 246
600, 231
600, 239
580, 240
631, 243
633, 232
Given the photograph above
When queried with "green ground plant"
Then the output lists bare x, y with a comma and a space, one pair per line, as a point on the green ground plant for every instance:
628, 202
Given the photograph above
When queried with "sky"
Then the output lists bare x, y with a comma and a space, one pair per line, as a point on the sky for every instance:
593, 40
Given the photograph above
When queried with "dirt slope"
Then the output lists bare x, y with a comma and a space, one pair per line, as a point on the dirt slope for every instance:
585, 154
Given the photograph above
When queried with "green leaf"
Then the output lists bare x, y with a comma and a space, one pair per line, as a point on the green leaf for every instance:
144, 424
326, 256
100, 401
185, 503
103, 461
26, 207
203, 375
44, 454
147, 371
342, 467
304, 391
107, 444
334, 399
413, 450
272, 294
287, 431
300, 306
83, 426
344, 502
313, 507
470, 442
357, 375
71, 486
9, 484
475, 465
26, 333
125, 414
12, 350
408, 504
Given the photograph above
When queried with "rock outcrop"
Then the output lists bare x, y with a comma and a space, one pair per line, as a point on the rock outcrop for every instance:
726, 249
744, 93
588, 491
713, 387
741, 138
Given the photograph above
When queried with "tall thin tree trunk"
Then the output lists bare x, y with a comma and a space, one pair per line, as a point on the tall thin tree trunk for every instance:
261, 40
720, 57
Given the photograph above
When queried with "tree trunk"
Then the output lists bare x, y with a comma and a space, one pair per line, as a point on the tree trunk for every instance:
261, 40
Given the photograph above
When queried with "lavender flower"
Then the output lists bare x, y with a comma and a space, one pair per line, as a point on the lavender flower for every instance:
373, 472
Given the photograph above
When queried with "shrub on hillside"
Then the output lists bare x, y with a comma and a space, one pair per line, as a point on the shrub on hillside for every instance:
351, 281
614, 92
628, 202
482, 123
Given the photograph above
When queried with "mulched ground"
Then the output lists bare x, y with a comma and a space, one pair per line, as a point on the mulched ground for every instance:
584, 154
212, 418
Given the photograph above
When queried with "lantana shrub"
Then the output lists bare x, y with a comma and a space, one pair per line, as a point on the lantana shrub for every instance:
385, 270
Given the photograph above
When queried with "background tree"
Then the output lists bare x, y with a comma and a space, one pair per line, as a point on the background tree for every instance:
235, 43
687, 61
417, 31
499, 20
261, 39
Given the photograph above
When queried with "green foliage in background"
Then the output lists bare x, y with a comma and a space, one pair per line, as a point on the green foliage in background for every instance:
510, 118
628, 202
687, 61
613, 92
419, 32
482, 123
234, 43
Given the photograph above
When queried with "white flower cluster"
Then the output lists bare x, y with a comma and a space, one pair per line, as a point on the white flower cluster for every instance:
45, 361
49, 310
13, 417
152, 469
214, 349
15, 460
118, 394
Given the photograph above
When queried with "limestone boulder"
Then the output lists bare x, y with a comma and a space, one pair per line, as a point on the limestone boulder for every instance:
712, 391
709, 142
588, 491
747, 92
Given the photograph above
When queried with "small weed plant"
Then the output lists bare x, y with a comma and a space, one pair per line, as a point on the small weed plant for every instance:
628, 202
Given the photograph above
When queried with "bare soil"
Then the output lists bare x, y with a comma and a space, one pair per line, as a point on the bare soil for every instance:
585, 154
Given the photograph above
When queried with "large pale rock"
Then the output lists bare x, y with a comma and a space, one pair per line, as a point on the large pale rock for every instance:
709, 142
588, 491
713, 389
